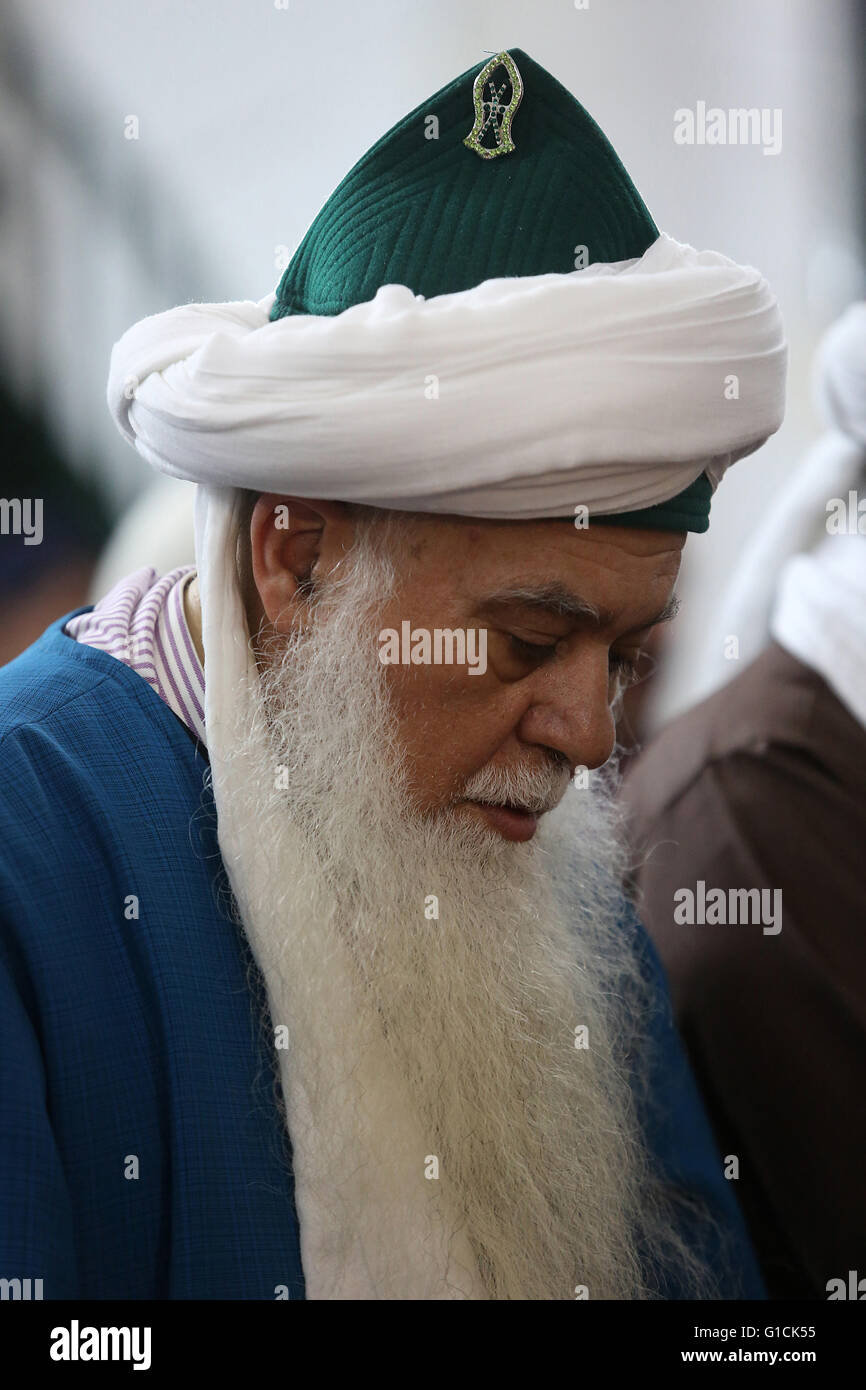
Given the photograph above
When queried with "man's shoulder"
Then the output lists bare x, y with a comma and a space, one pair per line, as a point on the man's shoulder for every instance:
92, 761
49, 674
75, 717
69, 690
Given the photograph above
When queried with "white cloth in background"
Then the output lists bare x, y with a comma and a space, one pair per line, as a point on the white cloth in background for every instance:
797, 524
820, 616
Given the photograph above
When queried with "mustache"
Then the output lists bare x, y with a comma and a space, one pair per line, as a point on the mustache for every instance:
537, 789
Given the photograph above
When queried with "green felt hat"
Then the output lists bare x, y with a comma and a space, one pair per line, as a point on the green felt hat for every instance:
457, 193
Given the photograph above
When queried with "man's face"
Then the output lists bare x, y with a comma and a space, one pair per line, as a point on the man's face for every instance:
564, 611
434, 973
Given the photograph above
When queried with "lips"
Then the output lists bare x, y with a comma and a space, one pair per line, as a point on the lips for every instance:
512, 822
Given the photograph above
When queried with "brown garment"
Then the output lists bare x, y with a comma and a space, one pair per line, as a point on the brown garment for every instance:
762, 786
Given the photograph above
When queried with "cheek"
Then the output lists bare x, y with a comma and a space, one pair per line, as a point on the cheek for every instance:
450, 725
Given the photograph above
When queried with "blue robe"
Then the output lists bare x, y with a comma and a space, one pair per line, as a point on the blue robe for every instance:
142, 1152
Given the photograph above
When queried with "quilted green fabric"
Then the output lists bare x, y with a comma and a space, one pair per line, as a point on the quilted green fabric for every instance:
434, 215
688, 511
422, 209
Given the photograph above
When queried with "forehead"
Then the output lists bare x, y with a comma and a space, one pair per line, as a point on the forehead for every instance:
484, 552
616, 577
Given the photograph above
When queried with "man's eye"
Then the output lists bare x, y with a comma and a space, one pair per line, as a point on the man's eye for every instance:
531, 651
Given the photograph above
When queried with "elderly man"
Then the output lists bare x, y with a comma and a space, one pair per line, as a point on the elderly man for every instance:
445, 477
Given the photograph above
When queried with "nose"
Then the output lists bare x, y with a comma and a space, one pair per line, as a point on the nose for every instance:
569, 707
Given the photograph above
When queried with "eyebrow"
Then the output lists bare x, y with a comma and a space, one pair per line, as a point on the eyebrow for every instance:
561, 602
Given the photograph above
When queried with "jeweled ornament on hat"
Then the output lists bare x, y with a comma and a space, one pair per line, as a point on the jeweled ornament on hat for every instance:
494, 110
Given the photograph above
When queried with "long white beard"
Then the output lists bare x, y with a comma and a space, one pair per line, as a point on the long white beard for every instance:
449, 1138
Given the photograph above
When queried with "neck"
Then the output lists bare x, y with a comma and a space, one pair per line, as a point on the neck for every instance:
192, 613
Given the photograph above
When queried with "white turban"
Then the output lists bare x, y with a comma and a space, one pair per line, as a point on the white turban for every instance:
614, 387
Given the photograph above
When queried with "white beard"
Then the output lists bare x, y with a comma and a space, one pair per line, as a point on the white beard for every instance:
449, 1138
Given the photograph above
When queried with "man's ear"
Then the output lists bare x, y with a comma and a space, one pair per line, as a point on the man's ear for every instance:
294, 542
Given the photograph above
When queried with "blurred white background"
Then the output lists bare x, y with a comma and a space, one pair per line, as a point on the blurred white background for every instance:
242, 137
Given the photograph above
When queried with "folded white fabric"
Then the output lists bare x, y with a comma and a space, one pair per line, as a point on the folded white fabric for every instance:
797, 522
820, 616
840, 373
613, 387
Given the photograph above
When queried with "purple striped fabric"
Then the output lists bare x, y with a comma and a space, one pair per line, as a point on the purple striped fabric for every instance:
141, 622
